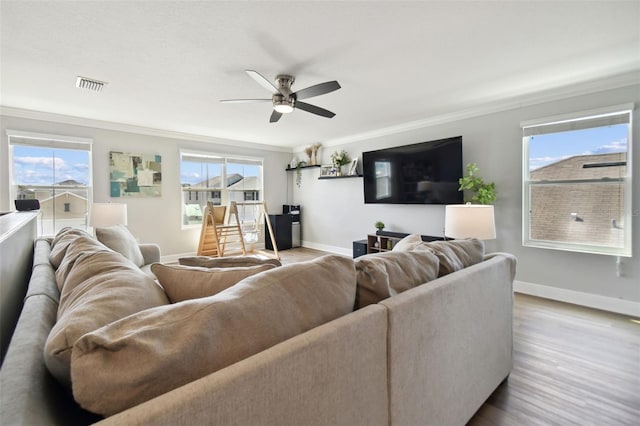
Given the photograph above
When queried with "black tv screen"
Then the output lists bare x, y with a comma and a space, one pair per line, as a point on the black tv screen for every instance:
421, 173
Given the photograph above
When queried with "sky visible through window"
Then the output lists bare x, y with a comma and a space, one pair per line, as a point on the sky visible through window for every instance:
551, 148
35, 166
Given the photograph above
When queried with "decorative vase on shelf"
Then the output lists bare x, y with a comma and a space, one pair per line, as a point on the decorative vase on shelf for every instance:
338, 170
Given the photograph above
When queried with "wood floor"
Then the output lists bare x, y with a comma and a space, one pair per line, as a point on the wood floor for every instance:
572, 365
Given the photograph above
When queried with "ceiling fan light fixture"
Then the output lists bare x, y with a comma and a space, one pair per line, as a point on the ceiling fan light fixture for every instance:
282, 105
283, 108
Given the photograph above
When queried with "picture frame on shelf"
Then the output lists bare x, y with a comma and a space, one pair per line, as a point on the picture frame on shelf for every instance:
327, 170
353, 168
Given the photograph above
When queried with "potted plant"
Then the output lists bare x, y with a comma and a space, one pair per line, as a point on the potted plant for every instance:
299, 167
339, 159
483, 193
379, 225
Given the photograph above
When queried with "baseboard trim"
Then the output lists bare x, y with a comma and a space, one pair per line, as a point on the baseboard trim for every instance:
330, 249
611, 304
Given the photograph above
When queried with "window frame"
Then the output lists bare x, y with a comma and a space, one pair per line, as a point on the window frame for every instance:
627, 180
50, 141
225, 159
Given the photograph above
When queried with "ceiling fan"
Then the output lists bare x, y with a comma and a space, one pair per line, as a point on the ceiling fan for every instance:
285, 100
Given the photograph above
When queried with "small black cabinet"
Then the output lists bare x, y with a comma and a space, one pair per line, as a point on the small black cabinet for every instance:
359, 248
281, 225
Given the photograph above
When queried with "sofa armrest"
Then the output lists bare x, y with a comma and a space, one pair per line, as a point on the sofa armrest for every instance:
150, 253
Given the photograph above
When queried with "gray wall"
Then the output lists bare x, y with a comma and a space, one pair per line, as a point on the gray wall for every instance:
151, 220
335, 213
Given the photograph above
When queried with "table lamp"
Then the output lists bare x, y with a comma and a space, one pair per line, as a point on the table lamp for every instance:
108, 214
469, 221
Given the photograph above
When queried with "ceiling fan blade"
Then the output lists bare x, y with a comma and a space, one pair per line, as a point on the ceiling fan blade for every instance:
317, 90
314, 109
275, 116
262, 81
241, 101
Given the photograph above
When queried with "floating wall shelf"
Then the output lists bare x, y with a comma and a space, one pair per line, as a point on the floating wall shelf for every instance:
339, 177
289, 169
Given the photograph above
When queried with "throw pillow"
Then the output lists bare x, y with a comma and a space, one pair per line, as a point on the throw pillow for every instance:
190, 282
118, 238
101, 287
386, 274
226, 262
150, 353
457, 254
408, 243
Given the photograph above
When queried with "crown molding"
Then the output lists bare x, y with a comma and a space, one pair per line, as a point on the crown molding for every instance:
131, 128
539, 97
515, 102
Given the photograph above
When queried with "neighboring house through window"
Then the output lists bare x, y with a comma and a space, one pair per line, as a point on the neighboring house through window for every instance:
577, 182
56, 170
219, 179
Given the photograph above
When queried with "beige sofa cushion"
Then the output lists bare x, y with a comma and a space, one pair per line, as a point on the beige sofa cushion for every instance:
77, 247
154, 351
226, 262
190, 282
408, 243
101, 287
457, 254
118, 238
386, 274
60, 243
453, 254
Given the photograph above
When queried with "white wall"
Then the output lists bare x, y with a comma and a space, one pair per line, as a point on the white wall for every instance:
335, 214
156, 220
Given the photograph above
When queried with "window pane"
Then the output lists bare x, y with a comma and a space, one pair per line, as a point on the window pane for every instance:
245, 184
579, 154
219, 180
577, 183
579, 213
59, 179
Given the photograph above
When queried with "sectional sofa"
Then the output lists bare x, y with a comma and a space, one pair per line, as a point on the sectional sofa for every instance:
419, 336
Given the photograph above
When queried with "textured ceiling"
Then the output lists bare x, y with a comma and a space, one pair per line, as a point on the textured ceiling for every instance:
169, 63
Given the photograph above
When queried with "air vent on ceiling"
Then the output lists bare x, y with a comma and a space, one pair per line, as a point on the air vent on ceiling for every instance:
90, 84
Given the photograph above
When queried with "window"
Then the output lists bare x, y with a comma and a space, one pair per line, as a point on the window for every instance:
220, 180
577, 182
56, 170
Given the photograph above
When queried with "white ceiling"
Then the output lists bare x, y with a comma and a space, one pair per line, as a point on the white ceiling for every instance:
169, 63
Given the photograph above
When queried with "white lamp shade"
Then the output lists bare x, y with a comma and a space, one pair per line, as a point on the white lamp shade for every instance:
108, 214
469, 221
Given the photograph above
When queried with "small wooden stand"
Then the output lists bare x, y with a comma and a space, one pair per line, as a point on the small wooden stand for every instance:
217, 234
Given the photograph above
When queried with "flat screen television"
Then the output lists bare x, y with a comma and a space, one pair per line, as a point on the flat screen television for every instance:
421, 173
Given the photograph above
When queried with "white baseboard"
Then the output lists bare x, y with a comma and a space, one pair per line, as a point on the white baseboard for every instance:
330, 249
611, 304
